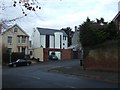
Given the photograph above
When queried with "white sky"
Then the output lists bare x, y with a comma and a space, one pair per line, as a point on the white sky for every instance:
58, 14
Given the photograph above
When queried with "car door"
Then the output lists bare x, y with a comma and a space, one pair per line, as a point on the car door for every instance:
23, 63
19, 63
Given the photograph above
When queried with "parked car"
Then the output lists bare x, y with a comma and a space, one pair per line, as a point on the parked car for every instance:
53, 57
20, 62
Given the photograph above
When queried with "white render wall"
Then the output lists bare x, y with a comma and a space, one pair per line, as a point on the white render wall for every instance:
42, 40
38, 53
54, 42
36, 39
51, 41
65, 43
57, 40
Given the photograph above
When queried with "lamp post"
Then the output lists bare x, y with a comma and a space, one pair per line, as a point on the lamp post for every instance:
81, 58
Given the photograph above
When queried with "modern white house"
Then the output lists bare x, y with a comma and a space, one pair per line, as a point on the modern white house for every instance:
49, 38
45, 41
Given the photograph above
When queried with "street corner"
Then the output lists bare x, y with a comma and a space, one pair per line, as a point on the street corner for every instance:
77, 71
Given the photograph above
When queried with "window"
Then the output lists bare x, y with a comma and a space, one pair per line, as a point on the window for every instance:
47, 41
60, 41
64, 37
30, 52
9, 39
15, 29
23, 39
18, 39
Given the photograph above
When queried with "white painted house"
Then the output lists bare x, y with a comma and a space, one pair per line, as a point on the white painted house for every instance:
49, 38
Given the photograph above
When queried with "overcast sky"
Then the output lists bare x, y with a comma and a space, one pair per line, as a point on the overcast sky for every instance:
59, 14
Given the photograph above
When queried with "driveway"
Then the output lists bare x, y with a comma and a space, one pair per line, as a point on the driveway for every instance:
38, 76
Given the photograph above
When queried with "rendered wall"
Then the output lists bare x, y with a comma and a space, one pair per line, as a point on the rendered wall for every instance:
38, 53
35, 39
58, 41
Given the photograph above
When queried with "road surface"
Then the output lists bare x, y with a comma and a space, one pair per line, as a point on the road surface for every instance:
38, 76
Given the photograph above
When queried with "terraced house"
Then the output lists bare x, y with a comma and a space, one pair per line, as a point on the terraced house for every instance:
15, 39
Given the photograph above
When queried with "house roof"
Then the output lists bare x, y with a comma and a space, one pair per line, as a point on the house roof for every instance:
46, 31
118, 14
18, 27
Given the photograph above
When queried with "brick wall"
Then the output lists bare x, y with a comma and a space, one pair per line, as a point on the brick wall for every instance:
103, 58
66, 54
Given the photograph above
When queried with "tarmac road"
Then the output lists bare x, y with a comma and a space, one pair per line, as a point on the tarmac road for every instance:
38, 76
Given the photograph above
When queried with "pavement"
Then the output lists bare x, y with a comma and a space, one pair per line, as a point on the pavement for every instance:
78, 71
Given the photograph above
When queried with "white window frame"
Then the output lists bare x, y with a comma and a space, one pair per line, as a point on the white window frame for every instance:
15, 30
24, 41
8, 41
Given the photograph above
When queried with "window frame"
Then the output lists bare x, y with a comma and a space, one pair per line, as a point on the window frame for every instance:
15, 30
9, 39
24, 40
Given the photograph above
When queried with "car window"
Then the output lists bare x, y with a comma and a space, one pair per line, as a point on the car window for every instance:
18, 60
22, 60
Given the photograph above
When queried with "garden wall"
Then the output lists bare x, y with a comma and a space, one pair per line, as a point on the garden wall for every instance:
103, 57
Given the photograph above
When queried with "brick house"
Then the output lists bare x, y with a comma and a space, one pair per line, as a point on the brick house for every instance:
117, 21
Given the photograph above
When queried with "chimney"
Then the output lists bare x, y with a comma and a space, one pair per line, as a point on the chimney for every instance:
75, 28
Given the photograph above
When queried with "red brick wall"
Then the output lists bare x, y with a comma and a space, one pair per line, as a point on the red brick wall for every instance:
66, 54
45, 54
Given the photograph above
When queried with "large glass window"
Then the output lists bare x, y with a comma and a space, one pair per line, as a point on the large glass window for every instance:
9, 39
47, 41
60, 41
23, 39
